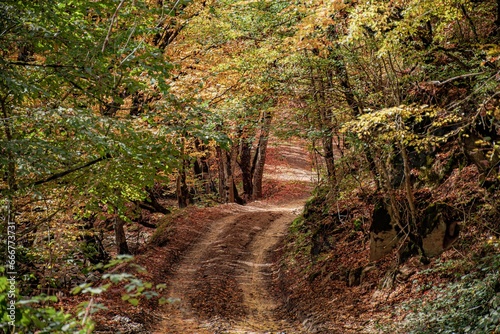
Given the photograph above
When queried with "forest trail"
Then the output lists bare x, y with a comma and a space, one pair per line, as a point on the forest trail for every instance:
221, 284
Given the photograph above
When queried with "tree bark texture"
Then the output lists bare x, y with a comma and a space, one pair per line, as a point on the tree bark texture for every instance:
221, 157
260, 155
182, 190
246, 168
120, 238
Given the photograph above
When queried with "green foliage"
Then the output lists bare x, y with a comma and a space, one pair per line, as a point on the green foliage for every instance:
50, 98
469, 305
134, 287
303, 227
395, 23
71, 75
358, 223
35, 315
299, 244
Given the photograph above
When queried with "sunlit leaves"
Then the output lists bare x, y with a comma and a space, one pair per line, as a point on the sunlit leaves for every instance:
402, 125
397, 23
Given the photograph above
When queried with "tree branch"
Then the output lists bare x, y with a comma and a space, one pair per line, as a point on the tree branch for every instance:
441, 83
146, 224
72, 170
217, 98
106, 40
24, 63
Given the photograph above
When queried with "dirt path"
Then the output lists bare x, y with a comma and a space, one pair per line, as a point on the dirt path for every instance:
221, 284
224, 277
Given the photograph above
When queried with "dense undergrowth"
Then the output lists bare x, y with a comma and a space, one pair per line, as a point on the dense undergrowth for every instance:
469, 303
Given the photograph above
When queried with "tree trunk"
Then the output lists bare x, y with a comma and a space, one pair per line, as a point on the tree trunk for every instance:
342, 75
231, 169
414, 234
470, 22
409, 187
325, 115
182, 190
329, 157
202, 169
229, 178
226, 188
120, 238
246, 168
222, 158
152, 204
319, 88
260, 155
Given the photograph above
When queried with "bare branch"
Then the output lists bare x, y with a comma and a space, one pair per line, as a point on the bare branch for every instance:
113, 18
23, 63
441, 83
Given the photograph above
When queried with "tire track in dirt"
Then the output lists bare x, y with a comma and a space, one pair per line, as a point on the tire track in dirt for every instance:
179, 316
257, 300
220, 286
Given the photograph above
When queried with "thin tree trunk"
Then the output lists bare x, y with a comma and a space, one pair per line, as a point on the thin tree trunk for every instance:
414, 234
343, 77
319, 88
229, 177
408, 186
316, 160
231, 169
221, 157
260, 155
201, 168
246, 168
120, 238
328, 156
226, 179
152, 204
470, 22
182, 188
325, 115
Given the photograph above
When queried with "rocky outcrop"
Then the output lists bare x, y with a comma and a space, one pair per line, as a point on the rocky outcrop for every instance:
437, 228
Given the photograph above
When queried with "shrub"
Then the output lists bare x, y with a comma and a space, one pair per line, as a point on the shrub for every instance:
470, 305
